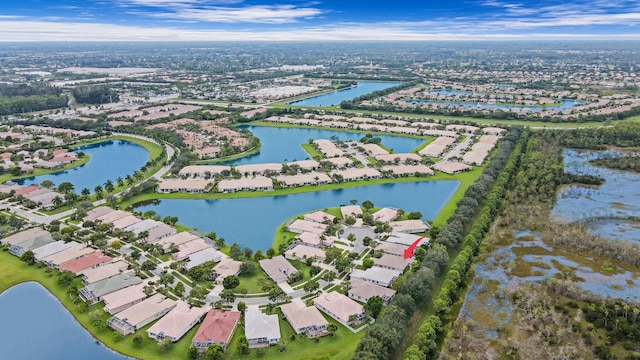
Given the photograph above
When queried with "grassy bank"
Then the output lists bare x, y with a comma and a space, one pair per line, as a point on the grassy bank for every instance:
38, 172
15, 271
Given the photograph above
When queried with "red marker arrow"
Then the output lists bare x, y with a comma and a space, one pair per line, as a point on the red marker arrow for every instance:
408, 252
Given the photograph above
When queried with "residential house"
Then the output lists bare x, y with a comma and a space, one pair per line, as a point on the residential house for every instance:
217, 328
363, 290
340, 307
277, 268
305, 319
261, 330
177, 322
141, 314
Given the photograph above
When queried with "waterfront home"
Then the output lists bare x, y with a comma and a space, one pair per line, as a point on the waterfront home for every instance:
410, 226
339, 162
188, 248
203, 256
216, 328
465, 129
437, 147
308, 165
407, 170
398, 158
392, 249
340, 307
94, 292
156, 230
358, 174
52, 248
141, 314
125, 222
259, 169
104, 272
95, 213
392, 262
24, 236
445, 133
299, 226
261, 330
328, 148
122, 299
305, 319
319, 217
373, 149
376, 275
193, 186
70, 254
312, 239
177, 322
257, 183
87, 263
313, 178
226, 267
112, 216
385, 214
363, 290
176, 239
406, 239
451, 167
277, 268
303, 252
203, 170
351, 210
30, 244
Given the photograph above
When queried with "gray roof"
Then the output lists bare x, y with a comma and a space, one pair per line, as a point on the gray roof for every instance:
377, 274
258, 325
35, 243
113, 283
52, 248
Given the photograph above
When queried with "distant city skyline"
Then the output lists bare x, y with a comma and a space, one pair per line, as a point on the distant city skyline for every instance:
329, 20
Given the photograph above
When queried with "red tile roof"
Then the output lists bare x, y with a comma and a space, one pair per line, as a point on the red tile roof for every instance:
85, 262
218, 326
26, 190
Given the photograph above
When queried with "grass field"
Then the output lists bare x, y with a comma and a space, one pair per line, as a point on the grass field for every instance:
14, 271
313, 153
338, 347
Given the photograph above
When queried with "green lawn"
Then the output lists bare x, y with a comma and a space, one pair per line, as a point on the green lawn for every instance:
15, 271
337, 347
253, 283
423, 145
315, 154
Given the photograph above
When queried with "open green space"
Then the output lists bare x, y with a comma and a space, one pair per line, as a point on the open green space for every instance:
14, 271
315, 154
338, 347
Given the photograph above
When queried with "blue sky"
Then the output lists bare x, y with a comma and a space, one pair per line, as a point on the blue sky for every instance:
51, 20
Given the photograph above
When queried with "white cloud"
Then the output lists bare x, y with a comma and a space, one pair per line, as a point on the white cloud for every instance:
58, 31
277, 14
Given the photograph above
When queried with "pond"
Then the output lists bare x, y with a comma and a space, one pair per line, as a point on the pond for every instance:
34, 325
109, 160
603, 207
565, 104
279, 144
252, 222
336, 97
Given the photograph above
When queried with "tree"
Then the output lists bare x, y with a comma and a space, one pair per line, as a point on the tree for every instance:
148, 265
242, 306
314, 270
138, 339
329, 276
57, 201
179, 288
343, 263
235, 252
99, 192
164, 344
248, 253
367, 205
198, 292
108, 186
258, 255
311, 286
374, 306
65, 187
367, 263
47, 184
85, 192
231, 282
414, 215
270, 252
167, 279
227, 296
247, 268
214, 352
28, 257
193, 353
66, 278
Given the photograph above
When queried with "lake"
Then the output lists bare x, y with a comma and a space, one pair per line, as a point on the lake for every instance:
336, 97
109, 160
252, 222
603, 207
34, 325
279, 144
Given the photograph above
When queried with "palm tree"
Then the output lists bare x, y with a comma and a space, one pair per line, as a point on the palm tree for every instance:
85, 192
57, 201
109, 186
120, 182
129, 180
